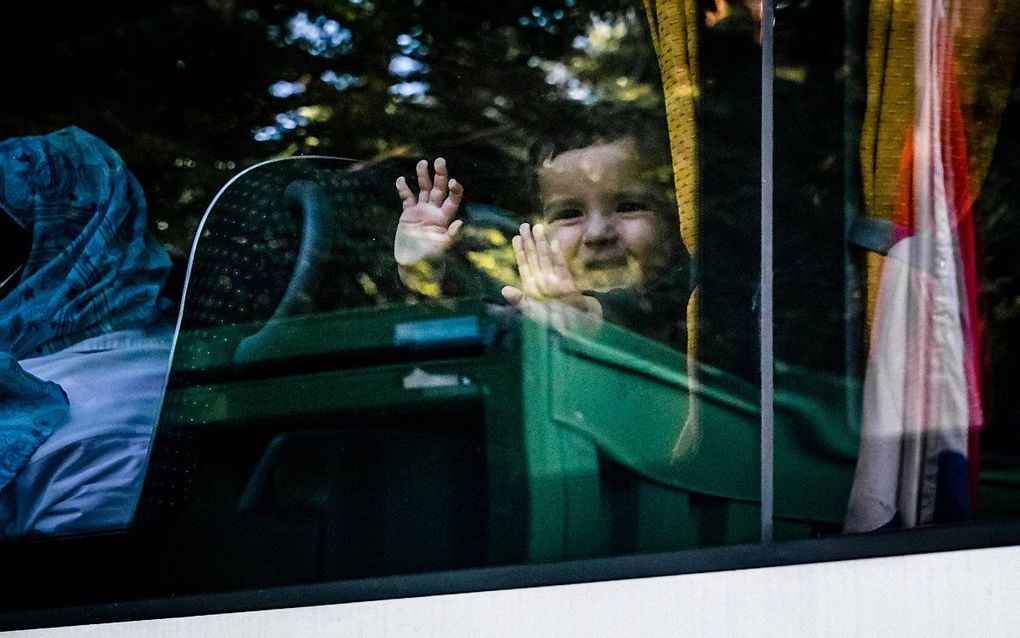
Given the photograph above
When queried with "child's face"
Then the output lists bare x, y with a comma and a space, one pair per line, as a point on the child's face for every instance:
606, 215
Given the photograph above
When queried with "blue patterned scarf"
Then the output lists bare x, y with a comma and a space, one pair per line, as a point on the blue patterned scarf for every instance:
92, 269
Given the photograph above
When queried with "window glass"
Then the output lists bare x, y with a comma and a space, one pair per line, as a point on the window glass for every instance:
892, 195
817, 318
369, 381
305, 292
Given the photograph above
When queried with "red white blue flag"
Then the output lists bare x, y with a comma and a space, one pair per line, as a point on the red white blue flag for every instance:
922, 408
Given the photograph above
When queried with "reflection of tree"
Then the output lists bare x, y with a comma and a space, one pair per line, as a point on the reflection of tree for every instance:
998, 236
808, 196
191, 92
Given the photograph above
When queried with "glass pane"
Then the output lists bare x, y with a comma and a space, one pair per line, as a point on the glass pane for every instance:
893, 196
353, 391
723, 429
817, 331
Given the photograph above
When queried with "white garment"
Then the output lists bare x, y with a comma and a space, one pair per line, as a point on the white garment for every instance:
915, 397
87, 475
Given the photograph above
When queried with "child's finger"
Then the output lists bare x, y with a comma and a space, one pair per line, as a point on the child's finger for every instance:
514, 296
536, 260
438, 192
529, 250
406, 194
542, 250
424, 181
523, 267
453, 200
454, 227
522, 261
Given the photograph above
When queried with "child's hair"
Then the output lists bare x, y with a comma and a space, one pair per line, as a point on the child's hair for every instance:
648, 134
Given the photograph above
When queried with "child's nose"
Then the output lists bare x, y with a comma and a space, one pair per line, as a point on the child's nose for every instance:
599, 228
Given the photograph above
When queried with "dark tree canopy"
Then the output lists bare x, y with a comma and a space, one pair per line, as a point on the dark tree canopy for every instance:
191, 92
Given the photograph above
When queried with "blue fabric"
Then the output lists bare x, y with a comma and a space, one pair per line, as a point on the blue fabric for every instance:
952, 491
30, 409
92, 269
952, 488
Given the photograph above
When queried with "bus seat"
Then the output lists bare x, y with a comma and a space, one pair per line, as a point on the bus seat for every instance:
259, 254
631, 484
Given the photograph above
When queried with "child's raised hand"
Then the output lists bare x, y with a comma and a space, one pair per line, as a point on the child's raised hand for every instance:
427, 225
548, 291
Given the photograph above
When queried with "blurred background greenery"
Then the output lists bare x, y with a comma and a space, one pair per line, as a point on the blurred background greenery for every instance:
191, 92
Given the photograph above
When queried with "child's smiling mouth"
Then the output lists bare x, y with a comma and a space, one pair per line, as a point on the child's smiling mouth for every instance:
606, 261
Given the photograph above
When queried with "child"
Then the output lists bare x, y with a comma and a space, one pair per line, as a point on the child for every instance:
608, 243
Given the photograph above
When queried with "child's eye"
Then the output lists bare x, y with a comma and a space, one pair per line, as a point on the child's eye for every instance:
632, 206
563, 214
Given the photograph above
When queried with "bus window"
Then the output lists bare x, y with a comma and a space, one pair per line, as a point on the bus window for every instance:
442, 289
890, 201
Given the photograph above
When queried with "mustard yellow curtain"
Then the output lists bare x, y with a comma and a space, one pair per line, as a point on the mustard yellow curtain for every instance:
674, 29
673, 25
985, 36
